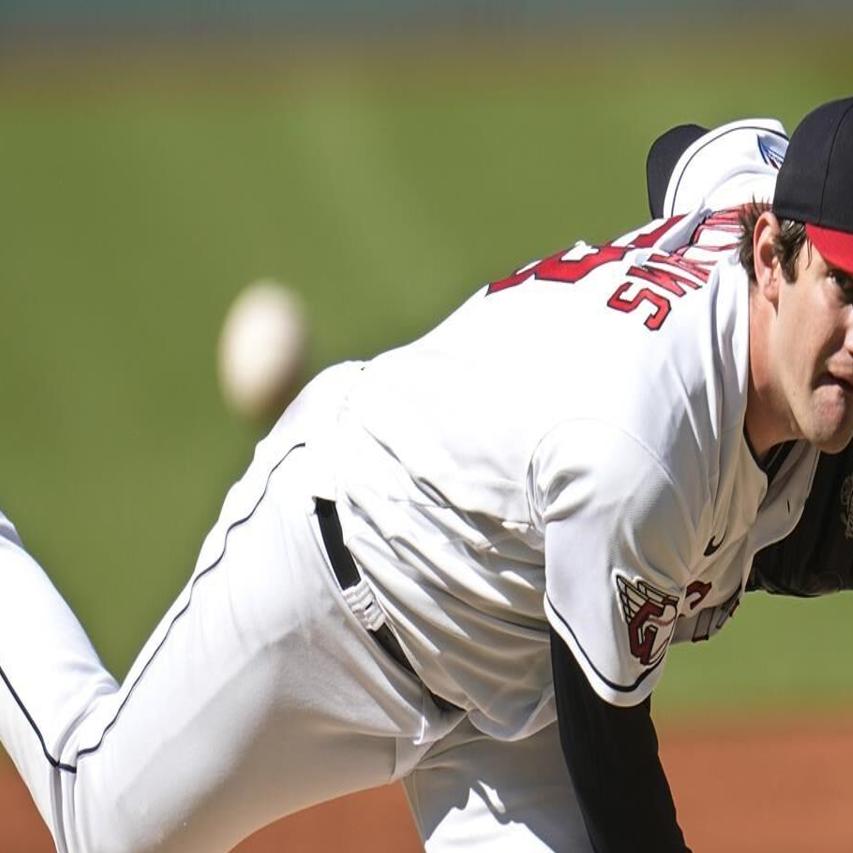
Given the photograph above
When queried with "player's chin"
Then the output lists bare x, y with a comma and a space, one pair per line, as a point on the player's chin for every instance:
828, 422
833, 435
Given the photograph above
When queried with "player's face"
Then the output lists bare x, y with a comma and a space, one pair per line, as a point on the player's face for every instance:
812, 351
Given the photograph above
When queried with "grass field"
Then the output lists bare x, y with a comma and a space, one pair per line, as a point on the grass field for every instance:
140, 192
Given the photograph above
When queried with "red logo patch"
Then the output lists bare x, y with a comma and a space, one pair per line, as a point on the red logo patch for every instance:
650, 615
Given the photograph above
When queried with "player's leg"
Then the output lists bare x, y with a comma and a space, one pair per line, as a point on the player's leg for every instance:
471, 792
259, 693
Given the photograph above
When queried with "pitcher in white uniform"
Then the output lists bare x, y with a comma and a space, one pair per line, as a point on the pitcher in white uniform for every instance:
462, 563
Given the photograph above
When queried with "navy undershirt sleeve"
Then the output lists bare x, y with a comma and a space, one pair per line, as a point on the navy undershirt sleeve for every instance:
612, 756
816, 558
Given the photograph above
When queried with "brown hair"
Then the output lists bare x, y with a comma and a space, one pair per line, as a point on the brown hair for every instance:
787, 244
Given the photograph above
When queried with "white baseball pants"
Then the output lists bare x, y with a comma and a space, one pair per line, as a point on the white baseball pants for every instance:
258, 694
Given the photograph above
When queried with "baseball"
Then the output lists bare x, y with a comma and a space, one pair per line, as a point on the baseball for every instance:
262, 350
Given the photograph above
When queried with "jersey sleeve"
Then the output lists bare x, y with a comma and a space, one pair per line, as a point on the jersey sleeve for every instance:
618, 545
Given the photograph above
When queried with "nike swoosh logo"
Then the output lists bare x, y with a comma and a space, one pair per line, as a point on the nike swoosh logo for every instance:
712, 547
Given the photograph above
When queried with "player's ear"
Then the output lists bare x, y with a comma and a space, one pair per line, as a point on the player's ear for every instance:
768, 272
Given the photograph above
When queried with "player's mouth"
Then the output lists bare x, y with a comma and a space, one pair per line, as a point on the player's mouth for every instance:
843, 381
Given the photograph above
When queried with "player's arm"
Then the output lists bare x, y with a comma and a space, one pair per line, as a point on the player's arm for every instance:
614, 588
612, 756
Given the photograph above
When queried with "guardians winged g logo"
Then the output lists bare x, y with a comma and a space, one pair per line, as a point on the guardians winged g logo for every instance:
650, 615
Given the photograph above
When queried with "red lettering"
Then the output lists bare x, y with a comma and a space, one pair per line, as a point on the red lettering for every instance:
664, 279
649, 238
557, 268
667, 276
661, 304
700, 270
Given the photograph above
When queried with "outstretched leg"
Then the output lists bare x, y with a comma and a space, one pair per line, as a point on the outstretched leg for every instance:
258, 694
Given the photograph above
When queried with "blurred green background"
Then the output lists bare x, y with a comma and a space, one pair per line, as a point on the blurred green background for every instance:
143, 183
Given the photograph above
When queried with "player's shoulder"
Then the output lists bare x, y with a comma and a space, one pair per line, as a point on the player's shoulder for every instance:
668, 398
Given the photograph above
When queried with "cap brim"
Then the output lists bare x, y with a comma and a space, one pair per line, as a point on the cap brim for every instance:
835, 246
661, 159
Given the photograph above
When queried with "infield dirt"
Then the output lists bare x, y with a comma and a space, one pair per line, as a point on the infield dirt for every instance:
779, 786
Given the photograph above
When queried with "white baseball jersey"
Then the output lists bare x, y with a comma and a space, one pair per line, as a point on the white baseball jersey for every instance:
568, 448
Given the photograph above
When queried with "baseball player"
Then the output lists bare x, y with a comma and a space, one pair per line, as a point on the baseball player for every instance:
462, 563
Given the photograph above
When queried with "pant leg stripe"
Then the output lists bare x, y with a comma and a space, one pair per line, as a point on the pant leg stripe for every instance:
89, 750
235, 524
53, 761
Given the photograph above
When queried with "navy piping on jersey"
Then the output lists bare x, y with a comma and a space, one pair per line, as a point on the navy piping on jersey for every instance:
72, 768
621, 688
54, 762
711, 141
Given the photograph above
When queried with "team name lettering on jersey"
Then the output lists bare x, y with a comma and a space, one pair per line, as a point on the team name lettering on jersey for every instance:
651, 284
563, 268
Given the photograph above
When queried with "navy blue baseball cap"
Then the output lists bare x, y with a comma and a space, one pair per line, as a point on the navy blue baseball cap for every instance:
815, 184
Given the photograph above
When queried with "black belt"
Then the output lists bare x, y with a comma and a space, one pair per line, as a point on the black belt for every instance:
348, 576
